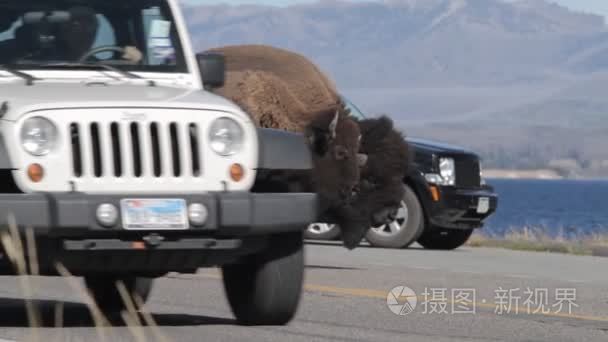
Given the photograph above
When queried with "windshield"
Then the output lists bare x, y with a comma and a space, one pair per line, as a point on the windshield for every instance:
130, 35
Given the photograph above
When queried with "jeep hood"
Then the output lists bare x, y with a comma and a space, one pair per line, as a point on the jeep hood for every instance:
21, 98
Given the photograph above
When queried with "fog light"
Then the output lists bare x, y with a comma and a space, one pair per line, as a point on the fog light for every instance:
237, 173
198, 214
107, 215
35, 172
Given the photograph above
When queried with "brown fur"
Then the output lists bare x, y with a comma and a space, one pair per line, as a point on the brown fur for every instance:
389, 155
279, 88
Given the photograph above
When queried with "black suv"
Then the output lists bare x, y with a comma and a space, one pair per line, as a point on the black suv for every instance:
446, 199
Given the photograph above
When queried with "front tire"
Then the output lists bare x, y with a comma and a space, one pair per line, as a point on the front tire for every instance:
405, 230
444, 239
266, 288
105, 292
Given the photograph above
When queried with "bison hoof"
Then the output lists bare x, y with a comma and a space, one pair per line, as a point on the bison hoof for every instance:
351, 238
351, 244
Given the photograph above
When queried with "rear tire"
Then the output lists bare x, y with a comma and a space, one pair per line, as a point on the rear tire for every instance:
404, 231
444, 239
106, 295
266, 288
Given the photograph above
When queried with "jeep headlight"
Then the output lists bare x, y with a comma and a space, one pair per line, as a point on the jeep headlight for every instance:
447, 173
226, 136
38, 136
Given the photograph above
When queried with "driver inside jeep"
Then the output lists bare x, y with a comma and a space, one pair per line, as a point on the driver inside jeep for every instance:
67, 38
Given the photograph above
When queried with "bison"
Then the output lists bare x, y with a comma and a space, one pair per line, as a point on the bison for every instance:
380, 191
357, 164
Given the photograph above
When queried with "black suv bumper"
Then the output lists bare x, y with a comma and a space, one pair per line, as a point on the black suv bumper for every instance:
459, 208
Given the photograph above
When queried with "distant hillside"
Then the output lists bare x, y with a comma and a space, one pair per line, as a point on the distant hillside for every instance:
399, 43
502, 67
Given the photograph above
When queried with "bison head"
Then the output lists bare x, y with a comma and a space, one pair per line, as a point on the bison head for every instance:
334, 140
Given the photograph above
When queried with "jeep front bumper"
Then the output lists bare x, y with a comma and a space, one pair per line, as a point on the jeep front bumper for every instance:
67, 232
229, 214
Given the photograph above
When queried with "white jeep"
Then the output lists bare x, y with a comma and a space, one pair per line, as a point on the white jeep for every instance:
126, 167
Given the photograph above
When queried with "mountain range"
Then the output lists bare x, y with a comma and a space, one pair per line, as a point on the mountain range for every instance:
489, 74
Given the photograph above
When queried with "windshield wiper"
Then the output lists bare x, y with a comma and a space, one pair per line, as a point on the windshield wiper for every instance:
29, 79
124, 73
92, 65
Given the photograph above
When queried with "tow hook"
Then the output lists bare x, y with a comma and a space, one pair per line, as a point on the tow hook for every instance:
154, 240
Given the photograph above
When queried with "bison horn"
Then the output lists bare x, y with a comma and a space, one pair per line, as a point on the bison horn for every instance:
333, 126
362, 159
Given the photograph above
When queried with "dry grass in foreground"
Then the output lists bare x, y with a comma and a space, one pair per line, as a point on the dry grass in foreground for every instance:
24, 257
533, 240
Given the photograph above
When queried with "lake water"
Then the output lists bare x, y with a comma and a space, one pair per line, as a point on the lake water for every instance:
566, 208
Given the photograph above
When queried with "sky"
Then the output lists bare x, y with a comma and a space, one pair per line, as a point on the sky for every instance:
592, 6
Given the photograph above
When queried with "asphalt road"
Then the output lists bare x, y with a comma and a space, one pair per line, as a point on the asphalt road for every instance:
346, 299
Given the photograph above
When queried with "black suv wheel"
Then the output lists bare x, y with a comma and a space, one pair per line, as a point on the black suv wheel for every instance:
265, 289
322, 231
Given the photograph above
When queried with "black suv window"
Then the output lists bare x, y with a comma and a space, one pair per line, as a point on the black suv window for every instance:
354, 110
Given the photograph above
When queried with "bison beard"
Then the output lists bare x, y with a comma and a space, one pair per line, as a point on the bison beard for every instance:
284, 90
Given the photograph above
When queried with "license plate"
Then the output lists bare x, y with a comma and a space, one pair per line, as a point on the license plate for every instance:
154, 214
483, 206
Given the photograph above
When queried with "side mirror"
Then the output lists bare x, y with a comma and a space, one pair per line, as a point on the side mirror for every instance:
213, 69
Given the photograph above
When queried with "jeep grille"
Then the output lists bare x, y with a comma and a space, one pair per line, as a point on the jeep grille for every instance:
135, 149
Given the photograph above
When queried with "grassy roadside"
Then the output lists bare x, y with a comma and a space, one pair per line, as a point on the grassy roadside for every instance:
22, 253
536, 241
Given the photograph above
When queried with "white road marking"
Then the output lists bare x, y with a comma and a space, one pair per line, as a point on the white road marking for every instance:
520, 276
423, 268
471, 272
381, 264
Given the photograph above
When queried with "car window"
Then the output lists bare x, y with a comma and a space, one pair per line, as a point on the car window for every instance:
132, 35
160, 38
354, 110
9, 33
105, 36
